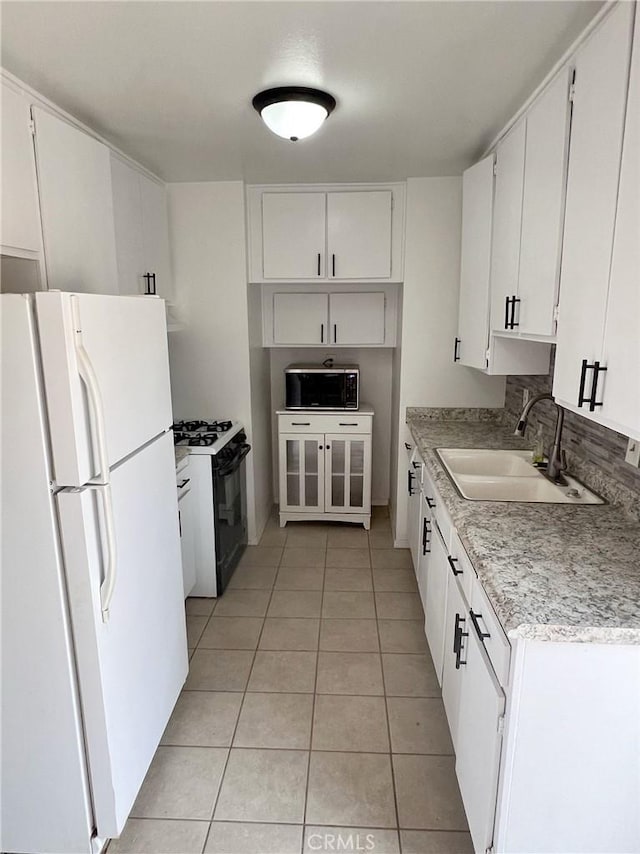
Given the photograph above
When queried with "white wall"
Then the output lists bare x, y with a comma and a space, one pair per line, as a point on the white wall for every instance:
211, 359
427, 373
375, 389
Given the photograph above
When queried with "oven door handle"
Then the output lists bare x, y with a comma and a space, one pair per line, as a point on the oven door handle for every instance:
225, 471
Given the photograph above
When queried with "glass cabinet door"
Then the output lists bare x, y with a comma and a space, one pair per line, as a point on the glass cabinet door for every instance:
302, 472
348, 473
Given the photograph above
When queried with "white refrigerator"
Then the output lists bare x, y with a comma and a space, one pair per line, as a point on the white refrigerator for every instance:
93, 641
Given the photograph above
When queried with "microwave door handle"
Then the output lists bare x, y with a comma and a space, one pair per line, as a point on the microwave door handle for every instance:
225, 471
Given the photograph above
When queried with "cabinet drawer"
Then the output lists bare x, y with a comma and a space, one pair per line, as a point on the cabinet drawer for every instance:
438, 512
305, 422
464, 571
494, 640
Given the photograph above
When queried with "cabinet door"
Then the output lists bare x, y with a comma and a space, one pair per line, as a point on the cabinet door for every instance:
415, 470
293, 235
357, 318
602, 68
186, 519
74, 179
300, 319
127, 214
543, 207
359, 234
507, 221
423, 542
20, 221
455, 652
155, 235
301, 472
347, 473
620, 391
436, 599
473, 310
479, 741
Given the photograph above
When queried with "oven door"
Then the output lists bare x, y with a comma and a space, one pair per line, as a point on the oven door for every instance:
230, 516
315, 390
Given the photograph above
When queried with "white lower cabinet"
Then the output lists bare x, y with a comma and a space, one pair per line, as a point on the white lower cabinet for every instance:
415, 468
479, 739
436, 603
545, 733
323, 474
187, 523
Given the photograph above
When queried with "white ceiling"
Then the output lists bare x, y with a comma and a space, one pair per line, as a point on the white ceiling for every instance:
422, 87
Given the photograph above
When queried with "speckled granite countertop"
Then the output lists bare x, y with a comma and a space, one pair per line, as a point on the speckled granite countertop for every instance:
551, 571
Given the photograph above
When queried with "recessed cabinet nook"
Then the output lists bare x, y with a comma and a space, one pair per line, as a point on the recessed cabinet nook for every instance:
550, 224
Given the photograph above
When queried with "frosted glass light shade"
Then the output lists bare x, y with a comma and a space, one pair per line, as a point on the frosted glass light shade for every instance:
293, 112
294, 119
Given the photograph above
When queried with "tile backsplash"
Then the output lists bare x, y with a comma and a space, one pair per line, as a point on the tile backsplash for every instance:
595, 454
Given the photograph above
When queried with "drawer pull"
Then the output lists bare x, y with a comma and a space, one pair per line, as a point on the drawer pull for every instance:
349, 424
430, 502
458, 635
183, 483
301, 424
476, 625
410, 477
452, 563
407, 446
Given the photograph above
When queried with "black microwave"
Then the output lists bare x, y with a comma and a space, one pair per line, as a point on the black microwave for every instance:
317, 387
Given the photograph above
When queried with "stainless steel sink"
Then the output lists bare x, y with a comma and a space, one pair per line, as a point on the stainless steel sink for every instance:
487, 475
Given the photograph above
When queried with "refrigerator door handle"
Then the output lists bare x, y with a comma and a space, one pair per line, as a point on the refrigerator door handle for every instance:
103, 479
110, 559
90, 381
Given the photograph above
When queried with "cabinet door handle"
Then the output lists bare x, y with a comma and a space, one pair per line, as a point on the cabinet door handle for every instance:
506, 312
426, 530
430, 502
335, 333
147, 288
180, 523
591, 400
452, 563
301, 424
512, 323
458, 635
349, 424
476, 625
456, 352
410, 477
333, 265
322, 333
318, 263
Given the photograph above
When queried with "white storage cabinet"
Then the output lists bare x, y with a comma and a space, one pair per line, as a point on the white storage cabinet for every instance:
74, 182
348, 317
598, 354
142, 232
304, 233
415, 468
325, 466
20, 221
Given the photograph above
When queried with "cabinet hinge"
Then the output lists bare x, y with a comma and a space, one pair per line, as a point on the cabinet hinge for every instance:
487, 356
500, 724
32, 127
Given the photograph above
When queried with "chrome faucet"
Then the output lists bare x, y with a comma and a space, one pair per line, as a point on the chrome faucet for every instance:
557, 461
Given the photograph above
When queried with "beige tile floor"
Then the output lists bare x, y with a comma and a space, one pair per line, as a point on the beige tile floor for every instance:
311, 719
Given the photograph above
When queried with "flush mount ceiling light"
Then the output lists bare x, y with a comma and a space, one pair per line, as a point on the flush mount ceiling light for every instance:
293, 112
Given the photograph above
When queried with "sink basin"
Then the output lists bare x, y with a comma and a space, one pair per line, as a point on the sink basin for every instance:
486, 475
479, 461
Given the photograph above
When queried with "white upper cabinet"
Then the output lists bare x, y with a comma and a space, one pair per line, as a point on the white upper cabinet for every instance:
473, 312
621, 350
74, 181
293, 235
545, 171
359, 235
357, 318
507, 222
142, 233
600, 98
319, 232
20, 222
300, 319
